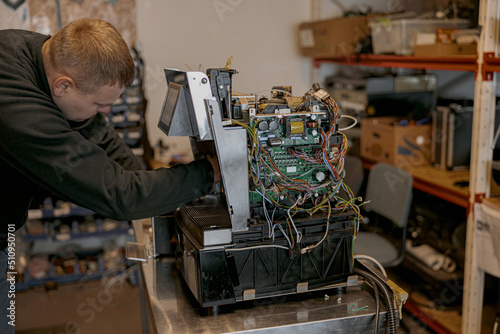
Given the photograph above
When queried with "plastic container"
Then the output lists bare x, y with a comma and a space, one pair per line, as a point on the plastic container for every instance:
397, 36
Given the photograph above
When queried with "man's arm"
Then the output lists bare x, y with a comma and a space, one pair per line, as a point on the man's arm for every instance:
216, 169
98, 131
41, 146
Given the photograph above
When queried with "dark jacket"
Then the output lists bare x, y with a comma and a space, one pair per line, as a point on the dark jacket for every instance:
87, 164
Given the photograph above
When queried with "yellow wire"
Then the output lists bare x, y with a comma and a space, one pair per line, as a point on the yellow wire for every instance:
291, 233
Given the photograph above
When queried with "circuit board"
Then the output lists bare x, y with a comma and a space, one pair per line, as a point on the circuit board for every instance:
289, 156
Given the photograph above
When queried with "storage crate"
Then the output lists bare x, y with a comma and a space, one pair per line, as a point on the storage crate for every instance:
398, 36
384, 140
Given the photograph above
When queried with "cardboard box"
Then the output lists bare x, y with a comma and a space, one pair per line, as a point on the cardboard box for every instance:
333, 37
383, 140
445, 49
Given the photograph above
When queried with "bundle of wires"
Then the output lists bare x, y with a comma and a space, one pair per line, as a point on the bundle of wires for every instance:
309, 198
379, 287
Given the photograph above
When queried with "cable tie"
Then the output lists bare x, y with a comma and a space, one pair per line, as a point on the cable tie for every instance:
358, 309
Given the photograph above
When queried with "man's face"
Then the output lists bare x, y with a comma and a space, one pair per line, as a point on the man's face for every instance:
79, 107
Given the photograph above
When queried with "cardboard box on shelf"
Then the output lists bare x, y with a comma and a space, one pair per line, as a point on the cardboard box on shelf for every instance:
384, 140
334, 37
445, 49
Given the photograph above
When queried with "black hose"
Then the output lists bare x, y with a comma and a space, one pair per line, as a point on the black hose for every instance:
377, 303
391, 311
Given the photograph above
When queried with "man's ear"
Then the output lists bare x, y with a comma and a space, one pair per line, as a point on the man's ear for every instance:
61, 84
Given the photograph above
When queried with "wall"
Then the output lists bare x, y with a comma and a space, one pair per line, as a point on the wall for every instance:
48, 16
259, 34
190, 34
11, 18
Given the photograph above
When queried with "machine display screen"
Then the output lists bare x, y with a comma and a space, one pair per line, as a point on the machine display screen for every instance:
169, 106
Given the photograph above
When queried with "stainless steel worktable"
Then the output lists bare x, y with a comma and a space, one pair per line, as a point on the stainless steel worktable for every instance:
168, 306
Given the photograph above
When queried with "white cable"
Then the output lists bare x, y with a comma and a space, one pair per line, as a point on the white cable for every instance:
379, 265
350, 126
299, 234
267, 199
269, 91
304, 174
269, 223
254, 247
281, 91
311, 247
284, 234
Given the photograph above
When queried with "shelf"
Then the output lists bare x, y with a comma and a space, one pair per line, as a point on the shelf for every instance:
122, 227
484, 92
452, 63
491, 63
61, 212
78, 275
493, 202
451, 186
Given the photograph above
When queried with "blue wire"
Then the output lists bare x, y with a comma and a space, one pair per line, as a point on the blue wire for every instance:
289, 243
269, 220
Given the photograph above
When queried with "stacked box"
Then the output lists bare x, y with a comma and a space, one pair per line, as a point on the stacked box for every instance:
383, 139
333, 37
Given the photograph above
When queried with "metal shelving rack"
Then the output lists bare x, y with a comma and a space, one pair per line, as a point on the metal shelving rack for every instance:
481, 156
49, 234
412, 62
485, 65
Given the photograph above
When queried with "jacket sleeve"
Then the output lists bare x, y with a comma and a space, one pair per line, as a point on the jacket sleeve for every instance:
98, 131
88, 171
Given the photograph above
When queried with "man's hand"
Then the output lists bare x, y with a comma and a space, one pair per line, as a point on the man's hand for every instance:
215, 167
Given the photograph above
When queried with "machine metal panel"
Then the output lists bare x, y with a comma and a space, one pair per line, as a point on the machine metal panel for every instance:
200, 90
260, 269
162, 234
231, 145
172, 308
289, 233
174, 311
207, 220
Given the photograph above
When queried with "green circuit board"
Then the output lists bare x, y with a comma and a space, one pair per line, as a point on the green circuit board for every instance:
278, 139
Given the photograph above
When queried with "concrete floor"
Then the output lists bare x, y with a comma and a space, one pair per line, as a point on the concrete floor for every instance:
109, 305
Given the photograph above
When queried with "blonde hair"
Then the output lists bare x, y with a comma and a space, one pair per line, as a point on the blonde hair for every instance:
93, 53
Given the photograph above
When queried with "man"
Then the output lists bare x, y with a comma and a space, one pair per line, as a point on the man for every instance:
55, 140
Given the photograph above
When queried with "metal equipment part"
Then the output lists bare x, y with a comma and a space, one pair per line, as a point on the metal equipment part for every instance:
278, 225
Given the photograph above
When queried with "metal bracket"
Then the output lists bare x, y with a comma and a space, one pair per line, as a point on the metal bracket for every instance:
249, 294
231, 146
302, 287
137, 252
